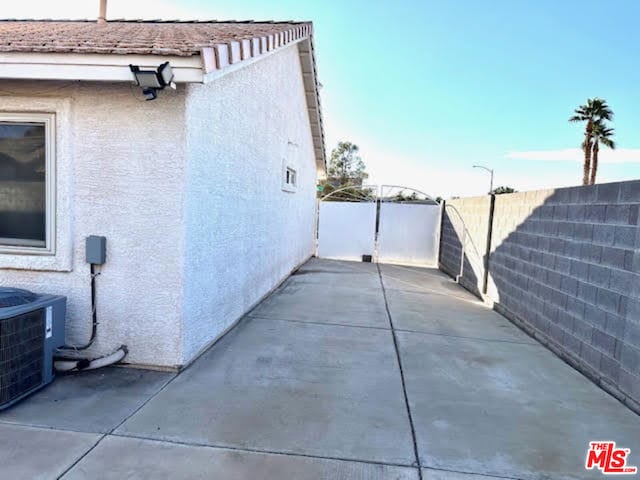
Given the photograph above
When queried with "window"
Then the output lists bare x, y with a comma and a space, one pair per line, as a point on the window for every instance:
289, 178
26, 183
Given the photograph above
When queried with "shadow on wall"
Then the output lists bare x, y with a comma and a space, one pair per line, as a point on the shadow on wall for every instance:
562, 264
463, 244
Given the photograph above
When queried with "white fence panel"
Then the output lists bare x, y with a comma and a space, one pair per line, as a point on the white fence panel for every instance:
346, 230
409, 234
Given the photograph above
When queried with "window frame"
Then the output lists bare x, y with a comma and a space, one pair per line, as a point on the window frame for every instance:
286, 186
291, 177
49, 121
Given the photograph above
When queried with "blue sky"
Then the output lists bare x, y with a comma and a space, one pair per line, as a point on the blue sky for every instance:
428, 88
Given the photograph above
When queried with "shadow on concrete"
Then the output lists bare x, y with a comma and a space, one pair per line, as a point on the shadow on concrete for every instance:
562, 264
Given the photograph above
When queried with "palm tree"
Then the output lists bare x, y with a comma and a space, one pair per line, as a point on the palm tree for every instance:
596, 110
601, 134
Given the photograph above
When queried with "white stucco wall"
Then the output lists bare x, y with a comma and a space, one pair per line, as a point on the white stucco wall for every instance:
187, 190
120, 173
244, 234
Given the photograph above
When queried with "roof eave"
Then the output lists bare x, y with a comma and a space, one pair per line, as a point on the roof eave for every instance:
94, 67
314, 107
211, 63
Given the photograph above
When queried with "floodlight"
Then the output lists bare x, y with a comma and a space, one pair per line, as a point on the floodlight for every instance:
153, 80
165, 72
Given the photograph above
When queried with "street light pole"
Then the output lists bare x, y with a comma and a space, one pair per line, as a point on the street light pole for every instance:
491, 172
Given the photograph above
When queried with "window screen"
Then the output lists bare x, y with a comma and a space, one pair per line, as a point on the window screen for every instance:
22, 184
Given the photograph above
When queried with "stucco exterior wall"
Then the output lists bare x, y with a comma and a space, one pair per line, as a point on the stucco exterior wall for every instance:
244, 234
188, 191
120, 173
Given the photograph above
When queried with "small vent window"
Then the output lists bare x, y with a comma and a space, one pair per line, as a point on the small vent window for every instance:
289, 178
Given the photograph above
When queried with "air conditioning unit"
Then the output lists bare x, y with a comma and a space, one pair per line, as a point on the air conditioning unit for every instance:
31, 328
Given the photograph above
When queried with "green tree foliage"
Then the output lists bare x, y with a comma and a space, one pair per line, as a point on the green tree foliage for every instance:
501, 190
346, 166
402, 197
601, 135
595, 112
345, 169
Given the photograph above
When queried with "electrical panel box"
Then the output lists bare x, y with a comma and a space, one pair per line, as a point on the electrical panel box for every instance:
96, 250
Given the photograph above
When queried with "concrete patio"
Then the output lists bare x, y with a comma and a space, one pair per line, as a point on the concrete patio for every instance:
347, 371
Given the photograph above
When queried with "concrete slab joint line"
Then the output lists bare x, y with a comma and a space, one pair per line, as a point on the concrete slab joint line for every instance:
404, 386
113, 429
311, 400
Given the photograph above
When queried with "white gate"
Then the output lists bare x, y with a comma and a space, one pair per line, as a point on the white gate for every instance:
389, 228
409, 234
346, 230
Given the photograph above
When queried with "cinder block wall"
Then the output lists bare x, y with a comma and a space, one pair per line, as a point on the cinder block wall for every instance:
465, 222
565, 265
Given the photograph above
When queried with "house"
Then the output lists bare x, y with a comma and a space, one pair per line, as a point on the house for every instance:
205, 195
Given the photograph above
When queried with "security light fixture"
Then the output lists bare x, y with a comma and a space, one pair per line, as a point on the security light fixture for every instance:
153, 80
150, 93
166, 74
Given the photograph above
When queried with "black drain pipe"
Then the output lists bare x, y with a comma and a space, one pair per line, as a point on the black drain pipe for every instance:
94, 316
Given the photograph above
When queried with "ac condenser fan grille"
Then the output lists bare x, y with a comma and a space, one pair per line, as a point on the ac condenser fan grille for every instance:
21, 354
13, 297
11, 301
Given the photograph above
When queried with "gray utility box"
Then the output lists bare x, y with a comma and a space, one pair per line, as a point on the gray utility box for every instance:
31, 329
96, 251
